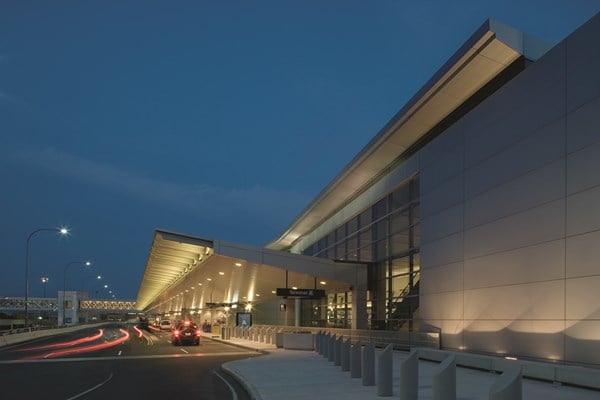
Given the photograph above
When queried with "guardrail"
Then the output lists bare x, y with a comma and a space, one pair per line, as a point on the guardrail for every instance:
32, 333
15, 331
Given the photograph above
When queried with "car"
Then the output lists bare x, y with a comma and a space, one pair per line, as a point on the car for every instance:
165, 325
186, 332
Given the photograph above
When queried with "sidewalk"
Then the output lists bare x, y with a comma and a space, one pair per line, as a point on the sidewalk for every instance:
294, 374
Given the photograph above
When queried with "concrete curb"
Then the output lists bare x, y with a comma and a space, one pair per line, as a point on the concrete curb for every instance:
248, 387
240, 345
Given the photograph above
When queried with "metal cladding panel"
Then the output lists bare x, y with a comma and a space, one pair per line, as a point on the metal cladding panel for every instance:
483, 57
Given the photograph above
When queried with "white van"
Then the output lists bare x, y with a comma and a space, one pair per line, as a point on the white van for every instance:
165, 325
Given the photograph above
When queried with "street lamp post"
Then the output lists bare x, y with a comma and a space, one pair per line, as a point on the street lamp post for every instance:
44, 280
87, 264
62, 231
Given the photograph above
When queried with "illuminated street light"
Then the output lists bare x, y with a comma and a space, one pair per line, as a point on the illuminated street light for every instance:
87, 264
62, 231
44, 280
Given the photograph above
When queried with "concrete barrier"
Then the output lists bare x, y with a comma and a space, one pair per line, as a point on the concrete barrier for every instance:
444, 380
409, 377
279, 340
298, 341
509, 386
6, 340
385, 367
368, 365
355, 360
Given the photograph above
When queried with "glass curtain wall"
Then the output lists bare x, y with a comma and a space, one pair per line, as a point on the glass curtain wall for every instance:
386, 237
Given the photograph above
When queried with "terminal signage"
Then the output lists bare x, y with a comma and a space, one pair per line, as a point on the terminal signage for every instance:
217, 305
303, 293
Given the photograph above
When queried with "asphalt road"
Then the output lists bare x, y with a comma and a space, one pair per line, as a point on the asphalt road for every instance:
107, 364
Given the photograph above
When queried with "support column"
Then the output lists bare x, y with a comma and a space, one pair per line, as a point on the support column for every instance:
297, 311
359, 306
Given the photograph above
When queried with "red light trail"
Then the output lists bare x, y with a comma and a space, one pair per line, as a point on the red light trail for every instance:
67, 344
83, 349
139, 331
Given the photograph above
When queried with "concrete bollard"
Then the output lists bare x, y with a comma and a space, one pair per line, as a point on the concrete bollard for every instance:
330, 348
326, 345
262, 335
508, 386
322, 343
368, 365
444, 380
318, 342
346, 355
337, 351
385, 368
355, 360
409, 377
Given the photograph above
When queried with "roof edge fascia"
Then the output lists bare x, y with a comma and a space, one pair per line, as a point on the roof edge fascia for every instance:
526, 45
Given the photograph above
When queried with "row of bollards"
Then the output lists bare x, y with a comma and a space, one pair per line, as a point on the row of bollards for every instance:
256, 334
360, 361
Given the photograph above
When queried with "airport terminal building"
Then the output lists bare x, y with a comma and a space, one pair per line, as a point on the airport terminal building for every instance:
474, 212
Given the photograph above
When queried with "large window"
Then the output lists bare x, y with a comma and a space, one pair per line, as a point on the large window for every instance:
386, 236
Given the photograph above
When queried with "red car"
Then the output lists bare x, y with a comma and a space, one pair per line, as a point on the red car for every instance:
186, 333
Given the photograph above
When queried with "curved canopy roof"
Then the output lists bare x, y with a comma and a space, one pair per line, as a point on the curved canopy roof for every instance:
183, 271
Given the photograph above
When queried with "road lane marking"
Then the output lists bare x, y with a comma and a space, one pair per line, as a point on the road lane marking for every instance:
120, 351
91, 389
185, 351
234, 395
105, 358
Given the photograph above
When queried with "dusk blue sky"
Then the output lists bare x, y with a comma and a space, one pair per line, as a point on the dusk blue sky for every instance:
220, 119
